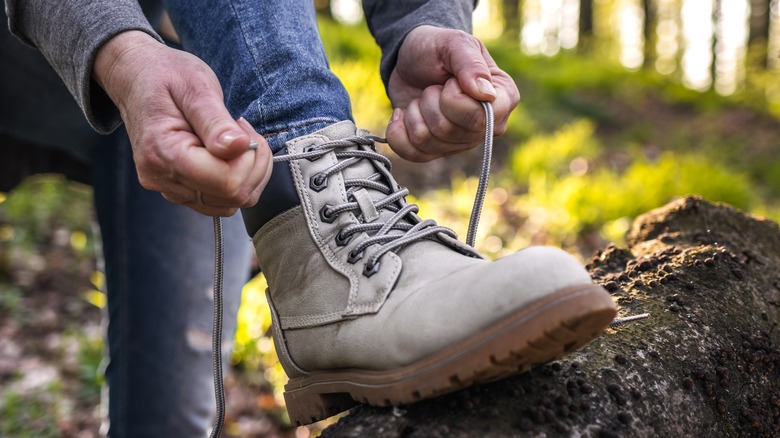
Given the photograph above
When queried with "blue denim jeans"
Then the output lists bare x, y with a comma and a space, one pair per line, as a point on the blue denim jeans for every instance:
158, 261
270, 61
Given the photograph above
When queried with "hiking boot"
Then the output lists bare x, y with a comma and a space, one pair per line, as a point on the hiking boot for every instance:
372, 304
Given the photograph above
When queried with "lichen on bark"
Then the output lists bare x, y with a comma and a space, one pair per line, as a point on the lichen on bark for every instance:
705, 363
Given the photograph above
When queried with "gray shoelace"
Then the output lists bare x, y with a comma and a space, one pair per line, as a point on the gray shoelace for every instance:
216, 333
395, 232
392, 234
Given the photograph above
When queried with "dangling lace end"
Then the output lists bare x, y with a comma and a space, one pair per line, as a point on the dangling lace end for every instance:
484, 176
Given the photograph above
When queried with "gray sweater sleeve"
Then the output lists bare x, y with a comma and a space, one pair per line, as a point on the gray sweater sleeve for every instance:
68, 33
390, 22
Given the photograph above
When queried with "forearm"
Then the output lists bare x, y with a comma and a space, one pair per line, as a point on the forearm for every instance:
391, 21
69, 33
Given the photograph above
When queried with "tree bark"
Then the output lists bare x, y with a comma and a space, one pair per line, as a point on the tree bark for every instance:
705, 363
758, 36
511, 12
717, 11
323, 8
648, 33
586, 23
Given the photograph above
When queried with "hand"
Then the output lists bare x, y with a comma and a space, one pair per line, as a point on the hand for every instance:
436, 88
184, 140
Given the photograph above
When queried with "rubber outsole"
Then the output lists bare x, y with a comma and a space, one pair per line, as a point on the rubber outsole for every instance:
544, 331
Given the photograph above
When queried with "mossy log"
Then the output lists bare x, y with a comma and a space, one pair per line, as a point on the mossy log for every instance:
705, 362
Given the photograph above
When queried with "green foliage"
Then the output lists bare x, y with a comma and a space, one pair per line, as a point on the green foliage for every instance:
10, 301
354, 58
43, 206
553, 153
91, 353
29, 415
580, 202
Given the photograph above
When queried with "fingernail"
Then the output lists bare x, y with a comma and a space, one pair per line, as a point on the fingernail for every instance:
396, 115
253, 145
228, 138
485, 86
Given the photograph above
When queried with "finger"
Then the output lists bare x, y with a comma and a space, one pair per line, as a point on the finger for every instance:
201, 102
236, 183
398, 138
506, 101
467, 61
204, 207
182, 195
420, 135
434, 108
461, 109
212, 211
262, 165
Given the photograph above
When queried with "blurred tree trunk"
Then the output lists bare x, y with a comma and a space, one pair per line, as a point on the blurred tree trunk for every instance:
323, 8
706, 363
586, 22
650, 24
717, 10
511, 10
758, 37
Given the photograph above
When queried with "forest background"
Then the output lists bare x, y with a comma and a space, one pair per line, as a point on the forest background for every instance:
627, 104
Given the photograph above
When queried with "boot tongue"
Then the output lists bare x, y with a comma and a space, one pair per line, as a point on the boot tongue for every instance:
363, 169
338, 131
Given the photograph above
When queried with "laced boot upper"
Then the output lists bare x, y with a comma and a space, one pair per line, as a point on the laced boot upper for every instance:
356, 221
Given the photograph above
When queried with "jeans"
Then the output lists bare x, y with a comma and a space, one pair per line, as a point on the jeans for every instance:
160, 274
158, 261
270, 61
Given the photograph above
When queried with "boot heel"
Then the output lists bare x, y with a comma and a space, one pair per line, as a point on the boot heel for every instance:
306, 406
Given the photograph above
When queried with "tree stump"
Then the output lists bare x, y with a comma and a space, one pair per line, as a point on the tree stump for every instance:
705, 362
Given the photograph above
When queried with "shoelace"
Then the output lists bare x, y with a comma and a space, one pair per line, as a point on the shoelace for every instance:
391, 234
405, 232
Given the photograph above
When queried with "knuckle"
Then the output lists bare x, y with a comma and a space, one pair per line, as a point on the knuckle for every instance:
232, 188
419, 135
475, 119
148, 183
416, 156
442, 129
251, 200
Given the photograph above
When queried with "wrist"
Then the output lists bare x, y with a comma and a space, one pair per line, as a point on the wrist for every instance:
115, 59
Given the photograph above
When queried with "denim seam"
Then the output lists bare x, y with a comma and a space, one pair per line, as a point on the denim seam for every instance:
121, 285
250, 49
299, 126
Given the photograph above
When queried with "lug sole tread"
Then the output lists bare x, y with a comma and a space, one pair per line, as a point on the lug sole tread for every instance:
510, 347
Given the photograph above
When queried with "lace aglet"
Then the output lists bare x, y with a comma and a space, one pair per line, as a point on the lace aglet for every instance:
617, 322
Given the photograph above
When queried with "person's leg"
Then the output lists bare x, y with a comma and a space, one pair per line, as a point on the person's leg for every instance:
272, 66
269, 58
159, 267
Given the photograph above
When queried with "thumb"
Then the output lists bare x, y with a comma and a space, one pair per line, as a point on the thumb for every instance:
469, 64
206, 113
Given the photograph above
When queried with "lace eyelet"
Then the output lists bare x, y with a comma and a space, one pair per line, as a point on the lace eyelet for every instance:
343, 241
369, 270
318, 182
354, 257
308, 149
327, 215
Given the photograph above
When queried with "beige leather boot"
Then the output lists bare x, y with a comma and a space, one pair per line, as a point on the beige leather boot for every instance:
373, 304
